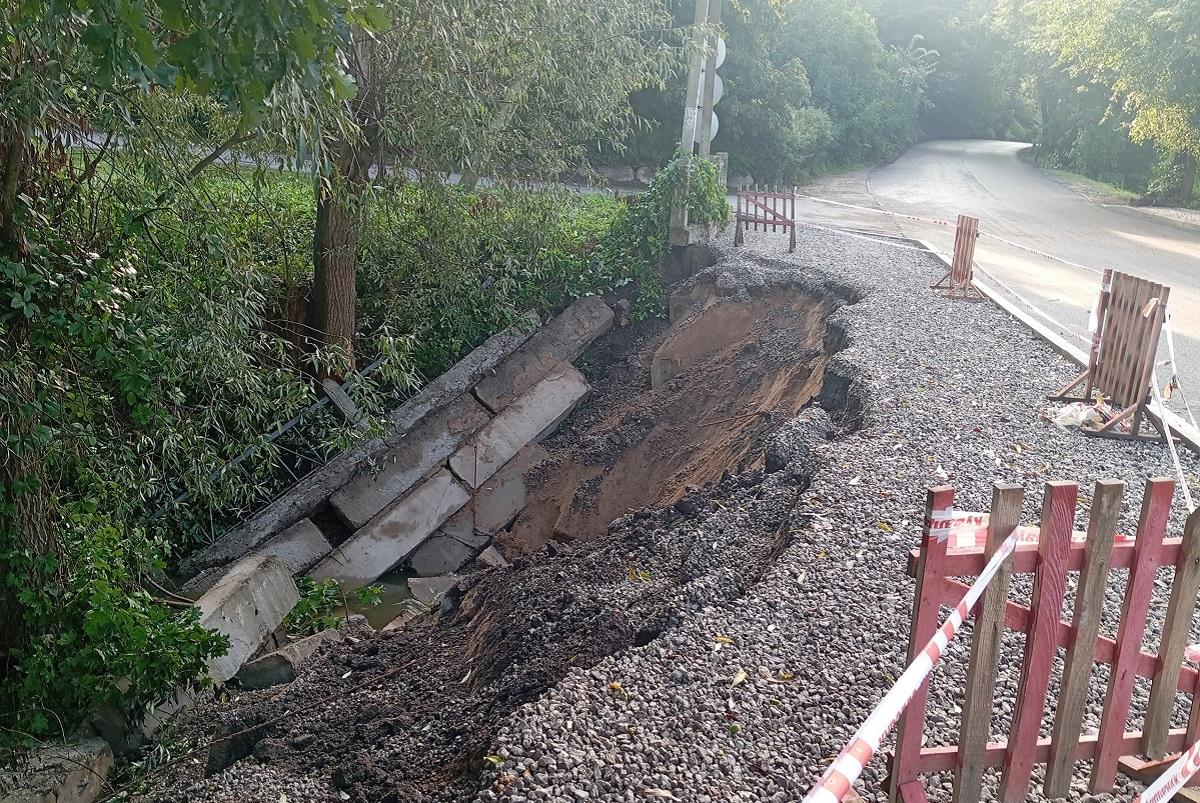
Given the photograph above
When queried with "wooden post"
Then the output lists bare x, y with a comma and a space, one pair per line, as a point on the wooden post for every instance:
1049, 587
1089, 609
931, 571
1156, 508
985, 649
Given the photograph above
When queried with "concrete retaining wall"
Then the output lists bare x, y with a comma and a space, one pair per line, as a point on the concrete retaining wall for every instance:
395, 492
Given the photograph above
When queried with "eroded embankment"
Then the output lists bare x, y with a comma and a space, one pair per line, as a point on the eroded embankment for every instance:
411, 715
688, 405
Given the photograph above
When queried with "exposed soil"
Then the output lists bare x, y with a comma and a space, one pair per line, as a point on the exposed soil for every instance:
723, 366
410, 716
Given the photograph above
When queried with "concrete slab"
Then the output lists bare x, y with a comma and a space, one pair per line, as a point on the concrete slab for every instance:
410, 609
441, 554
492, 557
299, 547
420, 451
461, 526
663, 370
527, 419
430, 590
501, 498
70, 773
284, 664
394, 534
561, 340
247, 604
307, 496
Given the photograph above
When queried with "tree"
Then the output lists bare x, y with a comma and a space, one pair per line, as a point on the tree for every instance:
80, 82
1145, 51
505, 90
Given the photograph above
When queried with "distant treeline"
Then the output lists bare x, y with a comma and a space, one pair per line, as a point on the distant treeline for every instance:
1108, 88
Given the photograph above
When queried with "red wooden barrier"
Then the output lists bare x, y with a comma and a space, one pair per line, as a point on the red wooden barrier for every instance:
1129, 320
775, 208
958, 282
1058, 550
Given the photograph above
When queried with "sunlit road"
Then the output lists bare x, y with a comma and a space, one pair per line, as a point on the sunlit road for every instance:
1016, 201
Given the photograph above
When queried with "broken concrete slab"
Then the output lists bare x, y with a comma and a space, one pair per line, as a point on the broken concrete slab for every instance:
501, 498
527, 419
492, 557
394, 534
561, 340
306, 496
430, 590
300, 547
246, 605
410, 609
461, 526
663, 370
421, 450
68, 773
441, 554
284, 664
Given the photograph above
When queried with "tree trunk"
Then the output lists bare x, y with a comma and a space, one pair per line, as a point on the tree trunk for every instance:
335, 256
14, 143
1187, 178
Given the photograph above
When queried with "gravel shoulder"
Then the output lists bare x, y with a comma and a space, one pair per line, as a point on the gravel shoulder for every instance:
952, 387
605, 670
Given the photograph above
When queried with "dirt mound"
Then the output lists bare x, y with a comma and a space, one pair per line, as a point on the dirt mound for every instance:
685, 407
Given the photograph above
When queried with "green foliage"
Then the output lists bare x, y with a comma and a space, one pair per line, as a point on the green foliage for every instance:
101, 638
314, 612
808, 84
633, 248
319, 602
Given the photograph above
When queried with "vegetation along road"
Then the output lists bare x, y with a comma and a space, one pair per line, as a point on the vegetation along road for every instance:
1017, 201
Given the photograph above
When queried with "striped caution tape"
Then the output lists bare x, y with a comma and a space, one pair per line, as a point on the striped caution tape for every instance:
849, 764
1174, 779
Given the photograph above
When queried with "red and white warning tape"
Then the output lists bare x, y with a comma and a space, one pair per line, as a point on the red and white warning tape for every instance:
849, 764
1166, 785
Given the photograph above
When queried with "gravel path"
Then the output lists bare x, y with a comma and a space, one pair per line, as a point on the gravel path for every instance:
954, 392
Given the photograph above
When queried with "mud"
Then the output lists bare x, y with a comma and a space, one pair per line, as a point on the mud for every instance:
725, 447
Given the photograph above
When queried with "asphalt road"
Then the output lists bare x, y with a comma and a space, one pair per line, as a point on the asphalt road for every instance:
1018, 202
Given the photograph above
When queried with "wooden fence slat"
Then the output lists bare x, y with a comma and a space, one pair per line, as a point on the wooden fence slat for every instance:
985, 649
1193, 726
1180, 608
1152, 526
1098, 335
1129, 346
1149, 353
1112, 354
1049, 588
930, 572
1089, 609
1134, 347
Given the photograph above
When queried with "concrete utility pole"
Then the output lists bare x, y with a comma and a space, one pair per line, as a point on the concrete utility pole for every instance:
708, 13
690, 102
710, 77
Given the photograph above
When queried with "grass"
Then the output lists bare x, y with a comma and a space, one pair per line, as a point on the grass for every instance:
1093, 184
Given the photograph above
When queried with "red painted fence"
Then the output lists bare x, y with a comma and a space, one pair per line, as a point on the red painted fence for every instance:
1058, 551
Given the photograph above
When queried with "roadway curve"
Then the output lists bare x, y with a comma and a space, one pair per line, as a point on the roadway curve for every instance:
1016, 201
